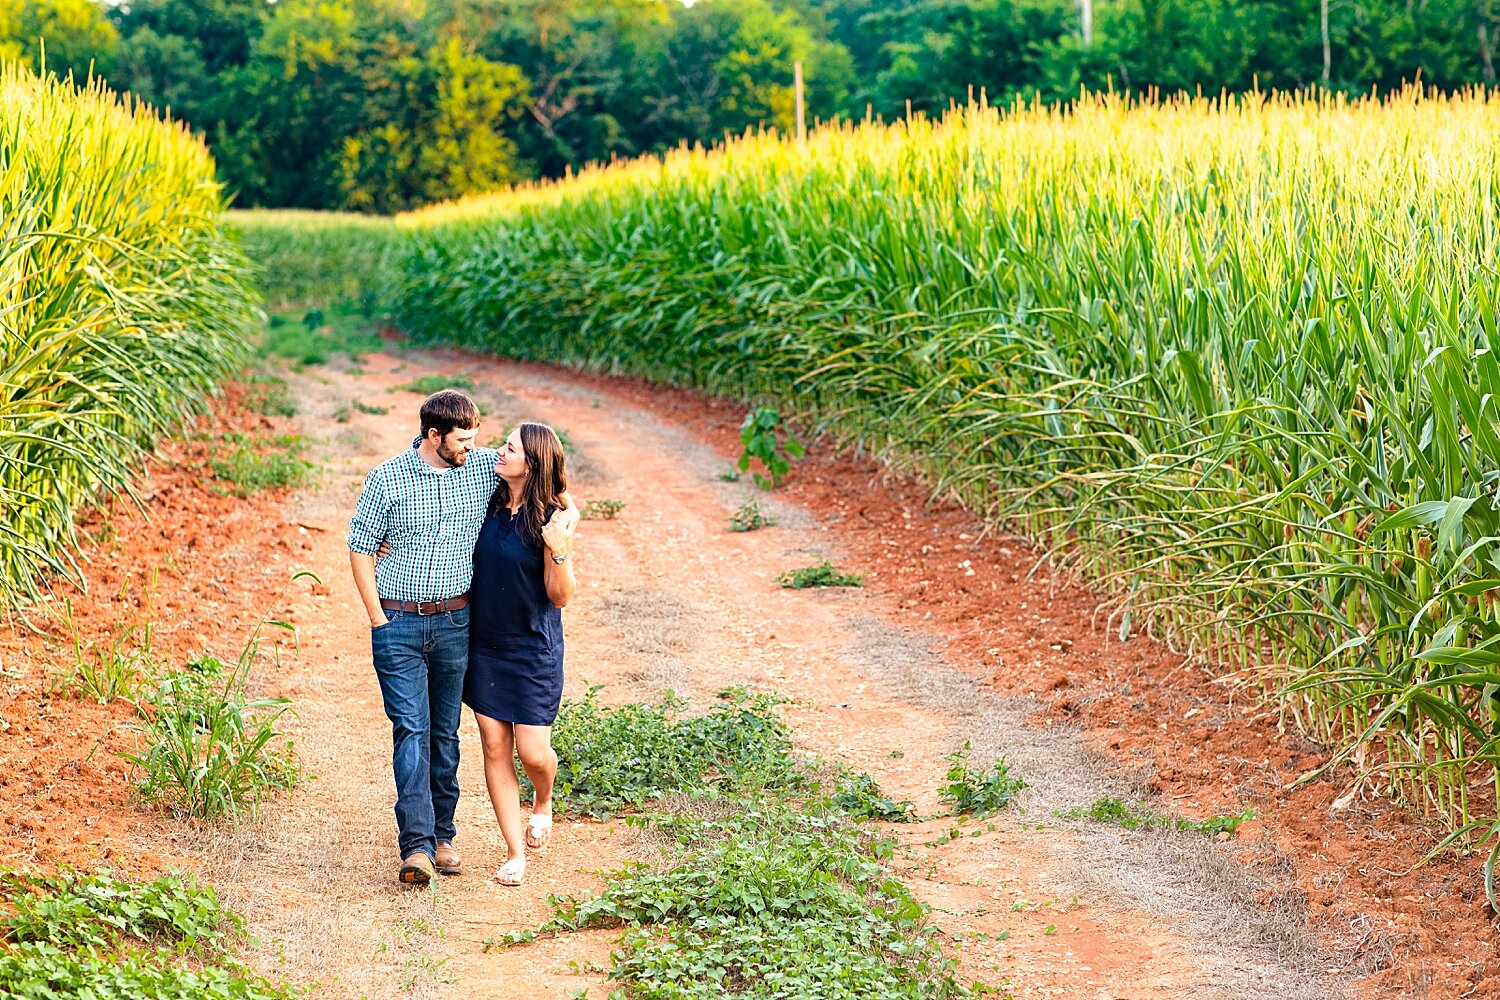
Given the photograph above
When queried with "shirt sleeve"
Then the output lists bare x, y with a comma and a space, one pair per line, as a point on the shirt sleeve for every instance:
372, 517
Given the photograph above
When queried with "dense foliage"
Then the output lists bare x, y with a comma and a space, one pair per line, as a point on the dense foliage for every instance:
1236, 363
108, 938
770, 883
381, 105
121, 305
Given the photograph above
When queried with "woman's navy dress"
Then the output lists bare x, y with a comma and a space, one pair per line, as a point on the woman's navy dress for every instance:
515, 631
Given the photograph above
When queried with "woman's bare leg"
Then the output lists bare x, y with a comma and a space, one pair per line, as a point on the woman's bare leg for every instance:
534, 743
498, 740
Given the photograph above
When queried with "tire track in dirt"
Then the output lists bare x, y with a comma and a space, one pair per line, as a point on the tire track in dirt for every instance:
669, 597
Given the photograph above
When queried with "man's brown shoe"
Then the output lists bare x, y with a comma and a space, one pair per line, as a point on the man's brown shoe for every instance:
447, 861
416, 870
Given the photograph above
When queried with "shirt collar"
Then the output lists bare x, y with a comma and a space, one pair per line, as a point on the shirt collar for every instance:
422, 464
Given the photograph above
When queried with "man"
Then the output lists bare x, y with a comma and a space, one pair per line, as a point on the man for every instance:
426, 506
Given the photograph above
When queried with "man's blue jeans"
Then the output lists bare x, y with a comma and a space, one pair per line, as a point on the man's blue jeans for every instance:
421, 660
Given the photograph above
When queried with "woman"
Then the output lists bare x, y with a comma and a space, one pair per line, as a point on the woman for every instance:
523, 575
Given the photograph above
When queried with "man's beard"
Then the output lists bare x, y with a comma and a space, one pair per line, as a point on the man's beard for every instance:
454, 459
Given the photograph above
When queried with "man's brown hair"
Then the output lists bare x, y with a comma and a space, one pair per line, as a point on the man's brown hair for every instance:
447, 409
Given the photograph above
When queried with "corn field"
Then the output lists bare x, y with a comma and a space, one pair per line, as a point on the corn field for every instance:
1233, 360
121, 307
303, 258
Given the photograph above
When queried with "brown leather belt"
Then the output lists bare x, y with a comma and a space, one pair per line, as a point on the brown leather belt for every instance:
427, 607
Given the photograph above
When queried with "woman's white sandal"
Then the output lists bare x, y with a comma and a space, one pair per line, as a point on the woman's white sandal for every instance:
512, 872
538, 830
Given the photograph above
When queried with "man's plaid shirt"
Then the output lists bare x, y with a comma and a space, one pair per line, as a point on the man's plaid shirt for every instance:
431, 518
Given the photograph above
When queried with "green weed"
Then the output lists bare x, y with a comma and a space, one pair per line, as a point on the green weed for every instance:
377, 411
601, 510
116, 671
976, 793
751, 516
210, 751
319, 335
822, 575
1116, 812
762, 435
857, 794
106, 938
426, 385
251, 464
767, 887
769, 901
615, 759
269, 394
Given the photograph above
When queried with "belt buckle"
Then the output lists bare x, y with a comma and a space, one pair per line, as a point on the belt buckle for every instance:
428, 608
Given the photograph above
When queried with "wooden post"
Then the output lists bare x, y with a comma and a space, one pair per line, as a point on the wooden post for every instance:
801, 112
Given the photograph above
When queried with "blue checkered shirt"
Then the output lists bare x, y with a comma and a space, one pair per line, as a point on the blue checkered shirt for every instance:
431, 518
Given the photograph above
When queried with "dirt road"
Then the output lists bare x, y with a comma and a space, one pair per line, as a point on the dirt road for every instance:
1033, 904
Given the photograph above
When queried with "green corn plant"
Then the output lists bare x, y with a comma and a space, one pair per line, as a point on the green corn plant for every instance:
122, 307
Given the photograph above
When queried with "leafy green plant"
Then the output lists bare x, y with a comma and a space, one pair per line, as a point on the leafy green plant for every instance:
766, 885
978, 793
320, 335
857, 794
762, 435
601, 510
377, 411
822, 575
615, 759
104, 937
1117, 813
729, 476
789, 903
426, 385
751, 516
269, 394
105, 673
249, 464
210, 751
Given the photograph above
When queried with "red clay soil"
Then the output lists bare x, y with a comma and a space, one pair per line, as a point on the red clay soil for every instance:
1425, 931
179, 561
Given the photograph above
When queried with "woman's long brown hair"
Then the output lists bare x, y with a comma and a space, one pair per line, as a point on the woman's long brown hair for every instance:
546, 480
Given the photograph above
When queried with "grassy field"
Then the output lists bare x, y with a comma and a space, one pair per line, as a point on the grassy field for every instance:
1231, 359
123, 305
318, 257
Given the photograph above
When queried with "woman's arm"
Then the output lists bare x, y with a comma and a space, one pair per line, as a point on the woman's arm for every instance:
557, 535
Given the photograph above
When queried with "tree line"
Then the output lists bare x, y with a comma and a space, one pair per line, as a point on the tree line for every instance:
383, 105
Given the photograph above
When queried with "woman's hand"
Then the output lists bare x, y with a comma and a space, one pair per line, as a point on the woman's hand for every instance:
557, 533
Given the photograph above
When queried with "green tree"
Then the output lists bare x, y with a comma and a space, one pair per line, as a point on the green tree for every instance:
586, 62
222, 32
291, 105
75, 35
165, 71
726, 65
444, 135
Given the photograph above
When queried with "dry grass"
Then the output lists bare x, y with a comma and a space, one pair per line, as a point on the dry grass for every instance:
655, 630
